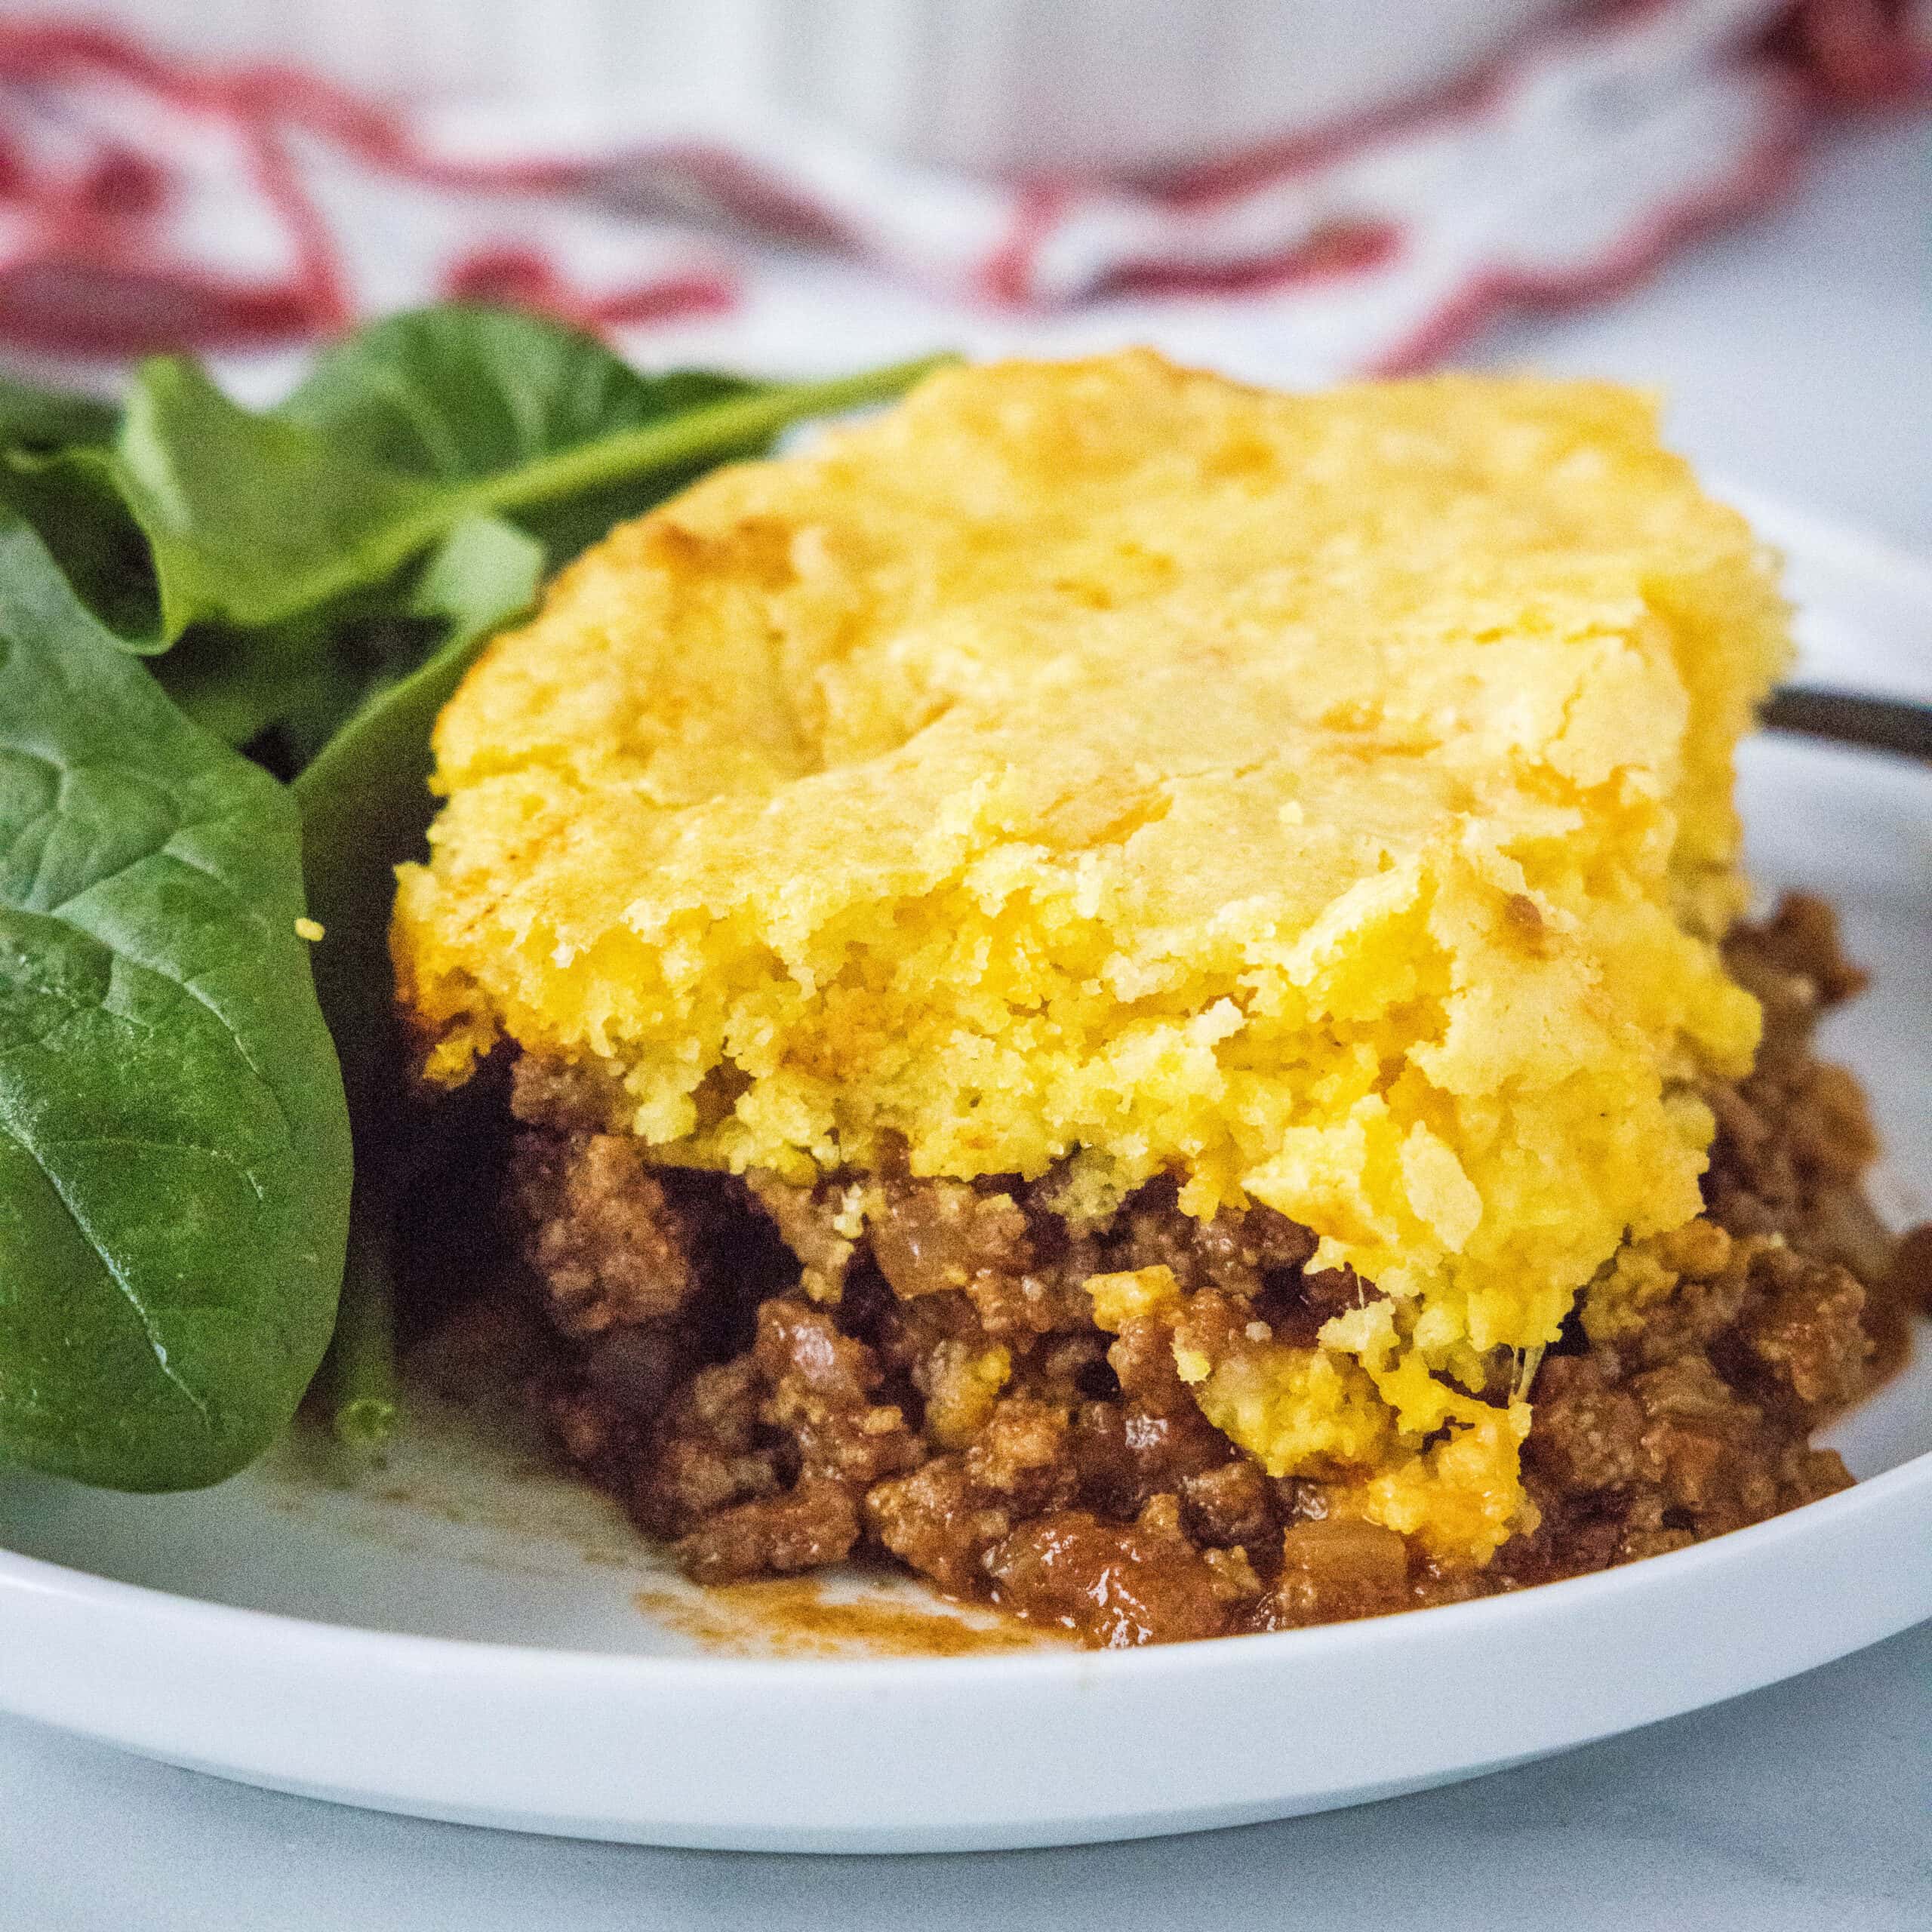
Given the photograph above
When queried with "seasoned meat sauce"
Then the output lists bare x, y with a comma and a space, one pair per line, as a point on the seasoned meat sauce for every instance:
772, 1383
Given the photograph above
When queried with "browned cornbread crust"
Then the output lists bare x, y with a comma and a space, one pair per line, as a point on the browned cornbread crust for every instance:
773, 1384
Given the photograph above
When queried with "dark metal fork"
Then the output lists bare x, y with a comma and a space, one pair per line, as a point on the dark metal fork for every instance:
1902, 725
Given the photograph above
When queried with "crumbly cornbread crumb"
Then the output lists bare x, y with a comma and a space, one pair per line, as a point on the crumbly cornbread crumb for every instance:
1108, 768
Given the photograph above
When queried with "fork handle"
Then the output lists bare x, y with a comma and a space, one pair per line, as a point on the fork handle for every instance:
1901, 725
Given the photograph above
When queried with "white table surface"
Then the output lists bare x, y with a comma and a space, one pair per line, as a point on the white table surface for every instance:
1797, 353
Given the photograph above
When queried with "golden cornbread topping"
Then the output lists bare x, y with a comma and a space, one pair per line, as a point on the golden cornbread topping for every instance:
1106, 769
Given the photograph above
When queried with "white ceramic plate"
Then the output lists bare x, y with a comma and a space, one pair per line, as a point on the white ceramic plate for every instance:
471, 1638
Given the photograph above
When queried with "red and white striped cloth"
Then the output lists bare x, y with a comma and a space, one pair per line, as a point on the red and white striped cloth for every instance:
146, 202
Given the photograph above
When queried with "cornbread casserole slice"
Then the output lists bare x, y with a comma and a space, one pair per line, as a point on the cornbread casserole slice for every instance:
1118, 985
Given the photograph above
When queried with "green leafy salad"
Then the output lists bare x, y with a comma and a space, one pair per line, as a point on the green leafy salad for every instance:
224, 638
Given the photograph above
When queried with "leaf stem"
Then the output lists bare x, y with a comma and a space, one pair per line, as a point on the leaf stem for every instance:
358, 1379
697, 434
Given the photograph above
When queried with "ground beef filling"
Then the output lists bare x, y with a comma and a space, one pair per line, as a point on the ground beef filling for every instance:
772, 1384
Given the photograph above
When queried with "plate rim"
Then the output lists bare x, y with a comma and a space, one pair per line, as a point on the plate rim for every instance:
82, 1589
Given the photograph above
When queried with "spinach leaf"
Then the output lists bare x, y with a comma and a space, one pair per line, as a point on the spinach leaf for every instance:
174, 1156
459, 394
252, 519
506, 413
365, 800
295, 681
249, 519
33, 418
365, 806
456, 393
70, 495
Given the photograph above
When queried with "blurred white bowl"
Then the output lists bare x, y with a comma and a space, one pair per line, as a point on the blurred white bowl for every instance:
1028, 86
